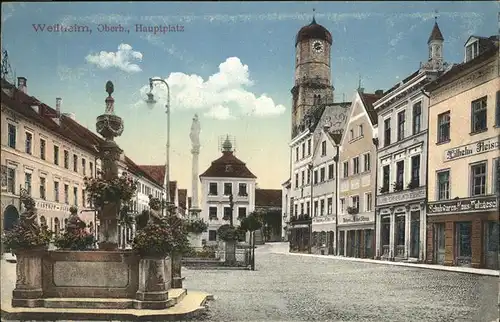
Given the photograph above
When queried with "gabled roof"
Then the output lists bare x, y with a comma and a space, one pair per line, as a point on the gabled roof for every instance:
268, 198
135, 169
331, 137
157, 172
228, 166
368, 99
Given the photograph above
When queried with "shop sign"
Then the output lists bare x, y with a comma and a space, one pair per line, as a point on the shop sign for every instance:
51, 206
471, 149
355, 219
401, 196
463, 205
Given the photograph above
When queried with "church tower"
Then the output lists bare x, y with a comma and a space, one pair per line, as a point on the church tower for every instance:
312, 71
435, 45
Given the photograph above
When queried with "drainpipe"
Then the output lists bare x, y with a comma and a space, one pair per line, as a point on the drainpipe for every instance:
375, 143
424, 248
336, 159
311, 201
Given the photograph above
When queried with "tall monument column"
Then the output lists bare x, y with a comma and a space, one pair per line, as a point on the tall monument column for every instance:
109, 126
195, 151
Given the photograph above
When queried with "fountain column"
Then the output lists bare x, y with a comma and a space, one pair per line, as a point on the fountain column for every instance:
109, 126
195, 152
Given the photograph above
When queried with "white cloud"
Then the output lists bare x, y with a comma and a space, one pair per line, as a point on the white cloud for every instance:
224, 95
122, 59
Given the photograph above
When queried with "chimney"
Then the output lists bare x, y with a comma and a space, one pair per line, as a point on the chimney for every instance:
379, 92
58, 106
21, 84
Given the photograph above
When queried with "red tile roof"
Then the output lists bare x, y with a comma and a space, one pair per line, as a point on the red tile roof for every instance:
182, 198
135, 169
268, 198
158, 173
228, 166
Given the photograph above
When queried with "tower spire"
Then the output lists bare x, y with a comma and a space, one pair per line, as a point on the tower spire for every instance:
314, 16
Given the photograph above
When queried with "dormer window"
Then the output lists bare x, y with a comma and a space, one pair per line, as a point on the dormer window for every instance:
471, 51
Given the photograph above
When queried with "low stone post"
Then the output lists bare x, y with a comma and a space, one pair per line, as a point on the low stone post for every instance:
28, 291
176, 271
152, 293
230, 249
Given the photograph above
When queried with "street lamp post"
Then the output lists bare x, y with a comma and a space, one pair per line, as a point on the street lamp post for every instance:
151, 102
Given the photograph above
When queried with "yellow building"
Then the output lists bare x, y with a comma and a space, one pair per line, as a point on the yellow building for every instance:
464, 132
45, 152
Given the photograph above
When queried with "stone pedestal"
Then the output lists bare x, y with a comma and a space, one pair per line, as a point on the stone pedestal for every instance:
230, 250
108, 234
152, 292
28, 291
176, 271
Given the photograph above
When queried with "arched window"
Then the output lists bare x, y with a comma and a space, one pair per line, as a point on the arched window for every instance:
43, 221
57, 226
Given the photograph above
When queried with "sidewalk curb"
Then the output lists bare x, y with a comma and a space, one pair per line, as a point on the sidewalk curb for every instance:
467, 270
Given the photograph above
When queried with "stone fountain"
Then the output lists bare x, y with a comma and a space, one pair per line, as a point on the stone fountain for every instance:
114, 281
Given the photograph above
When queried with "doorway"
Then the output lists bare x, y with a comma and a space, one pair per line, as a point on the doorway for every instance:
491, 235
331, 240
463, 243
414, 234
368, 243
342, 243
439, 242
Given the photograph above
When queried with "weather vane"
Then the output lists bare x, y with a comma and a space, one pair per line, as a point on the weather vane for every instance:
435, 15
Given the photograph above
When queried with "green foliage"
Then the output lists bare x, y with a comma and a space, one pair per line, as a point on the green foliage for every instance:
78, 239
227, 233
205, 252
196, 226
251, 223
22, 238
126, 217
101, 191
141, 220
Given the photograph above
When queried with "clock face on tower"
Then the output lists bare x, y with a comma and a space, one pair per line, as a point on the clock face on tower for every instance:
317, 46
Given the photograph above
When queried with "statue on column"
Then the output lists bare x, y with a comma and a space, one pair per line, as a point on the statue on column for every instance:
195, 132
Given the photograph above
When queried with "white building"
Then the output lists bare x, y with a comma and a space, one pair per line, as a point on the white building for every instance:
227, 176
402, 160
47, 153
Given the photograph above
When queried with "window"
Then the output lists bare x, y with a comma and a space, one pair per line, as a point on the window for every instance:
443, 127
227, 213
497, 110
346, 169
496, 175
91, 167
308, 181
443, 180
242, 189
387, 132
415, 171
322, 174
242, 212
212, 235
212, 188
322, 207
84, 167
75, 163
303, 150
84, 200
323, 148
401, 125
355, 202
56, 191
330, 171
297, 154
11, 180
309, 147
315, 176
29, 142
386, 170
308, 207
342, 205
302, 208
303, 178
75, 196
66, 159
315, 207
478, 117
329, 205
351, 134
27, 182
12, 136
212, 213
400, 174
355, 165
296, 180
296, 208
42, 149
368, 201
366, 162
66, 194
478, 180
360, 129
472, 51
42, 188
417, 117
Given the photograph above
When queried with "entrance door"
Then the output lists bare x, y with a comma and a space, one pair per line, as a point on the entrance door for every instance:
10, 217
341, 243
491, 231
415, 234
439, 242
463, 243
331, 239
368, 243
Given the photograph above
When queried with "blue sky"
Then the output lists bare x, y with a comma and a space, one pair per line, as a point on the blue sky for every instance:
232, 64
